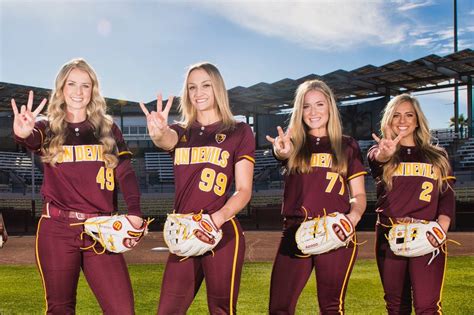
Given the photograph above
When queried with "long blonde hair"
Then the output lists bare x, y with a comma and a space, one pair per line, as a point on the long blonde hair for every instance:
300, 160
96, 116
422, 136
189, 112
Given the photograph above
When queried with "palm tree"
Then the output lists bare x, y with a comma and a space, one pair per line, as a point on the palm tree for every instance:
463, 123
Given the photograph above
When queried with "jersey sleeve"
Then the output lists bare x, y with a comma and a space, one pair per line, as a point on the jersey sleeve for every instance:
447, 198
122, 148
126, 176
180, 131
355, 166
376, 168
246, 147
35, 140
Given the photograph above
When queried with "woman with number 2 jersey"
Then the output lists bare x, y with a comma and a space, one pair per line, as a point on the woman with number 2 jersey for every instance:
210, 150
85, 158
323, 172
414, 183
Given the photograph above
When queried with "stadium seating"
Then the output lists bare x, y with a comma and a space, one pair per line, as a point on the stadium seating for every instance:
161, 163
466, 154
18, 166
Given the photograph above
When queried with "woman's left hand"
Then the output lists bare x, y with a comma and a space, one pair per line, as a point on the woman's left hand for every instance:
354, 218
137, 222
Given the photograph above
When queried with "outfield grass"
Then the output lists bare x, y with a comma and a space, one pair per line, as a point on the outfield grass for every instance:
21, 291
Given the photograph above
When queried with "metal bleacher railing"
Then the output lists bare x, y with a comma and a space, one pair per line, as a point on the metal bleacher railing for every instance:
19, 167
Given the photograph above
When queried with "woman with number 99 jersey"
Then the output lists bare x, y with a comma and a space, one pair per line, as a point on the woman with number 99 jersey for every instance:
210, 150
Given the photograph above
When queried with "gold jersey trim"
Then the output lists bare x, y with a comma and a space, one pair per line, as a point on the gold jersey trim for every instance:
125, 152
356, 175
247, 157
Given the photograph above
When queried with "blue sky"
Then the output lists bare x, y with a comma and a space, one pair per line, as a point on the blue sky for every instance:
144, 46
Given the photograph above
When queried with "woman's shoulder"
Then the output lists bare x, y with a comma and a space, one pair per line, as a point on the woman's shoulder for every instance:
242, 125
350, 142
439, 150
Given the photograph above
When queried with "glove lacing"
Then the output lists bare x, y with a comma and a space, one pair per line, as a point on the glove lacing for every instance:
101, 240
187, 235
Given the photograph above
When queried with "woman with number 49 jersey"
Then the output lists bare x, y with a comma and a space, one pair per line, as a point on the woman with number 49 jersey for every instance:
85, 158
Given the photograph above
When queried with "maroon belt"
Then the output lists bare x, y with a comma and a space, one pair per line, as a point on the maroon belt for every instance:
50, 210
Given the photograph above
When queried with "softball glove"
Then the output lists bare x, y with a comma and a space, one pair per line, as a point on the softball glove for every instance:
190, 234
324, 234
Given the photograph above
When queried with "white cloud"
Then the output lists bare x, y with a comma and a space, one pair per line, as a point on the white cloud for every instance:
423, 41
320, 25
410, 5
447, 33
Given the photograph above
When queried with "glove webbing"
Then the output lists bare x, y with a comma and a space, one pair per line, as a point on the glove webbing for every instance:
315, 231
101, 237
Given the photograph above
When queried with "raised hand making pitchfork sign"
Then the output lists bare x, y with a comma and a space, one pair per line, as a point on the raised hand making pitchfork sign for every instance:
24, 120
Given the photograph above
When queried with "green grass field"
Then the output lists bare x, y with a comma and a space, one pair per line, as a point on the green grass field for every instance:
21, 291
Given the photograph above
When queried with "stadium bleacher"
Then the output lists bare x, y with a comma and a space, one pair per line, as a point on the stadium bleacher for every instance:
19, 168
466, 154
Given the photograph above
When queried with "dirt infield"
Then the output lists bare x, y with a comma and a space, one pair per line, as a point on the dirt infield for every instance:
261, 246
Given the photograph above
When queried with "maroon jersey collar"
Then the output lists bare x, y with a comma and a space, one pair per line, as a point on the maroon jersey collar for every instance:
207, 128
318, 140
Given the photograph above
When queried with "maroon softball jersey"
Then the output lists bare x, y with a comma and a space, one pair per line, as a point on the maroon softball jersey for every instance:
204, 162
322, 188
80, 181
415, 191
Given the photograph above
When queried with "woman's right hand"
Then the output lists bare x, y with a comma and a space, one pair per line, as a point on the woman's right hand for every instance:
282, 144
387, 146
24, 120
157, 121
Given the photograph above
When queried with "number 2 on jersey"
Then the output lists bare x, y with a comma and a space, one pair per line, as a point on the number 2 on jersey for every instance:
105, 178
425, 193
209, 181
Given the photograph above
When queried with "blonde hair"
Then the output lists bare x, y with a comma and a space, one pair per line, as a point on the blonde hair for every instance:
300, 160
96, 116
422, 136
189, 112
